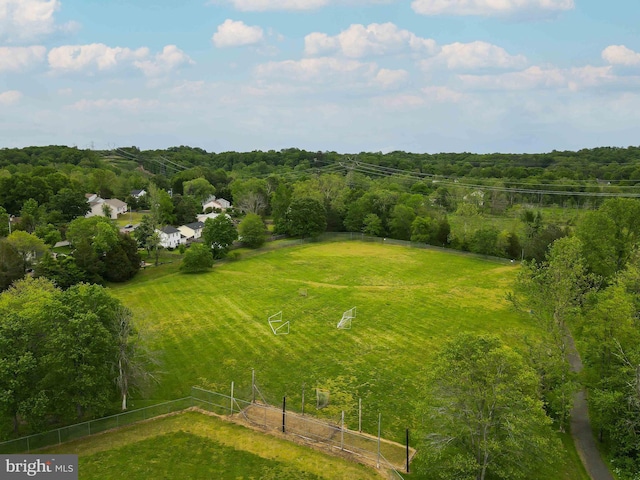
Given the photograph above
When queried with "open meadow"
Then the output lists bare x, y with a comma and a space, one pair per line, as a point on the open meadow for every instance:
211, 329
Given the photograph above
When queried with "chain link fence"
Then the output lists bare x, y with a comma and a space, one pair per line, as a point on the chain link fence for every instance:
79, 430
333, 436
282, 241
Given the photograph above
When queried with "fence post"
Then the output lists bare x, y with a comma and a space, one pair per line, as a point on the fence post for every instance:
284, 412
231, 403
360, 415
342, 431
407, 450
28, 448
253, 386
303, 399
59, 439
379, 423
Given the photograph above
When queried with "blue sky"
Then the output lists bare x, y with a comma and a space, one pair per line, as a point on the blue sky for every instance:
343, 75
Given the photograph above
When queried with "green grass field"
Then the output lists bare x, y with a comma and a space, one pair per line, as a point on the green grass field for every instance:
195, 446
212, 328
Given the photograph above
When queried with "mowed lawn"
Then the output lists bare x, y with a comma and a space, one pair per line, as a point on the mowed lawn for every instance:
211, 329
195, 446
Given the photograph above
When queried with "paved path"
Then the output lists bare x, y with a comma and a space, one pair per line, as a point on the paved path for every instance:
581, 426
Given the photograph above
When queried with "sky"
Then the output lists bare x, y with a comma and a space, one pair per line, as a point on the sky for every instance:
333, 75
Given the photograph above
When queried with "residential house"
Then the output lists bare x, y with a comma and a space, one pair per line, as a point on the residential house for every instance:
203, 216
170, 237
476, 197
137, 194
116, 207
215, 203
224, 204
191, 231
97, 205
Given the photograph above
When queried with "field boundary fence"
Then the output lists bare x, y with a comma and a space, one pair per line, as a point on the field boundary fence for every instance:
330, 435
79, 430
334, 437
284, 242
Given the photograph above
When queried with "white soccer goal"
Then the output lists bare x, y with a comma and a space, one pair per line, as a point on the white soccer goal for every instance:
347, 317
278, 327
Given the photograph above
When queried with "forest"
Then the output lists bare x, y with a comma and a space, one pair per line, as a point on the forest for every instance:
572, 218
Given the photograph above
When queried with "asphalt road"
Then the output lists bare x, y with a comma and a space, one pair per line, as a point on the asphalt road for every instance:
581, 426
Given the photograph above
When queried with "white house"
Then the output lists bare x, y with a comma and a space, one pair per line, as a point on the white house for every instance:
170, 237
223, 203
192, 231
203, 216
215, 203
138, 193
116, 207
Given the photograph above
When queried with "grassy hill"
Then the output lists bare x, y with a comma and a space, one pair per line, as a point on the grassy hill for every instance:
193, 446
212, 328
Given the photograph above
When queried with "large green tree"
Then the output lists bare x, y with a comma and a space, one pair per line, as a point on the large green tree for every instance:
553, 292
483, 417
198, 258
122, 262
70, 203
28, 246
609, 235
306, 217
11, 264
199, 188
219, 234
252, 231
186, 209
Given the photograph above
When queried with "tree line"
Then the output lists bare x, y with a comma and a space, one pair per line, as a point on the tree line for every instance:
67, 355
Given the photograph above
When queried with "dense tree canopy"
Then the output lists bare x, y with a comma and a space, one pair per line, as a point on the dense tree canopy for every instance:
60, 351
218, 234
483, 415
252, 231
198, 258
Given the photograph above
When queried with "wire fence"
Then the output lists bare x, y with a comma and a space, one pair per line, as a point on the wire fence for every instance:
333, 436
91, 427
282, 241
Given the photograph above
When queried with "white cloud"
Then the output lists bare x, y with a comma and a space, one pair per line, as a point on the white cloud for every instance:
473, 56
293, 5
76, 58
263, 5
23, 20
10, 97
388, 78
129, 104
16, 59
442, 94
535, 77
488, 7
235, 34
359, 41
317, 70
164, 62
620, 55
399, 102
